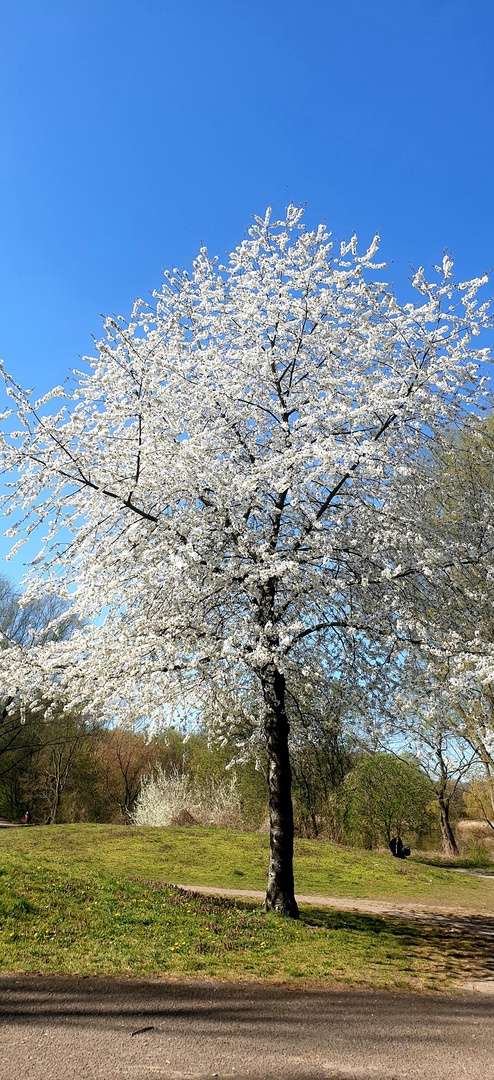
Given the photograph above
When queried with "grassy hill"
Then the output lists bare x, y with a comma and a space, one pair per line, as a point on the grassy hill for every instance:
101, 899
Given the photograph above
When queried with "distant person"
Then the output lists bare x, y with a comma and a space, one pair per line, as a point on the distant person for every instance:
398, 849
27, 818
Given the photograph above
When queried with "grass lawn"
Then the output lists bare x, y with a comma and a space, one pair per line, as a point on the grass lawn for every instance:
94, 899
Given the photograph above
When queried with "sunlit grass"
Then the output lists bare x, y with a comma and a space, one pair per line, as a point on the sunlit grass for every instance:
229, 859
95, 900
55, 918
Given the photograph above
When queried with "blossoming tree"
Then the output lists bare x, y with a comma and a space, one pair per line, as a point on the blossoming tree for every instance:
229, 491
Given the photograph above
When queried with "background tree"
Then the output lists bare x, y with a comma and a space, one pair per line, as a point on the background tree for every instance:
447, 764
53, 761
82, 772
427, 730
449, 702
479, 799
322, 752
240, 469
387, 797
434, 737
25, 732
122, 758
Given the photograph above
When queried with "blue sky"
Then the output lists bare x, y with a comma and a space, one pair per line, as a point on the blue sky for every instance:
133, 130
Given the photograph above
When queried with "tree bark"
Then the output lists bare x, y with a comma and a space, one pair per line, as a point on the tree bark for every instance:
280, 894
449, 841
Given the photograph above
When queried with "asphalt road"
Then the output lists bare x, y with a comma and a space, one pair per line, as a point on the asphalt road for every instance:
131, 1029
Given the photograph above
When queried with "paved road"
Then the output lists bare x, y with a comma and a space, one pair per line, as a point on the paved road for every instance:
91, 1029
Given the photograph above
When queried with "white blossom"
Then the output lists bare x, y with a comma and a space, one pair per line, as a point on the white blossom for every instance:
256, 430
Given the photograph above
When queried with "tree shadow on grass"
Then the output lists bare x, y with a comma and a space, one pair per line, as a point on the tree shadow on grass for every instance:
462, 945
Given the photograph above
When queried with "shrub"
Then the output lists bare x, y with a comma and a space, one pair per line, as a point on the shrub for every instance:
178, 799
477, 853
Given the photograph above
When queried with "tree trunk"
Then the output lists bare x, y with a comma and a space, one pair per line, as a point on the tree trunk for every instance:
53, 813
449, 842
280, 895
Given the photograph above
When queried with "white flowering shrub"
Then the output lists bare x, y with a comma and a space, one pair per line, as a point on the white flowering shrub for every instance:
179, 800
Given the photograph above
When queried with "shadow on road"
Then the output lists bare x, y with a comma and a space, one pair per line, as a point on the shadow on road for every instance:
140, 1003
142, 1029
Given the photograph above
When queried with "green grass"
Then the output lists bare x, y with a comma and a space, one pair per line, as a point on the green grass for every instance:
222, 857
93, 899
477, 858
